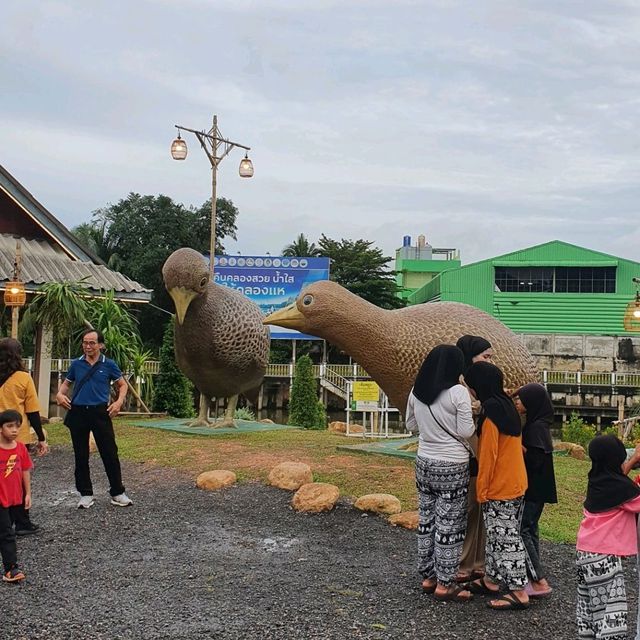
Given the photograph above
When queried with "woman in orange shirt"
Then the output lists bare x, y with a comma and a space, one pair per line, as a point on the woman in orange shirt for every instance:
500, 488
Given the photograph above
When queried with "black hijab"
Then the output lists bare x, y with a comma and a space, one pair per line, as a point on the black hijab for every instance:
440, 370
536, 431
608, 487
488, 383
471, 346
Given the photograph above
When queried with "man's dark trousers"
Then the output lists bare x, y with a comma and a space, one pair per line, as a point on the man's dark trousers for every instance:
82, 420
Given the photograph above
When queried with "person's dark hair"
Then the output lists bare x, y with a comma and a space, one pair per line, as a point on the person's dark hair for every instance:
10, 358
98, 333
440, 370
10, 415
471, 346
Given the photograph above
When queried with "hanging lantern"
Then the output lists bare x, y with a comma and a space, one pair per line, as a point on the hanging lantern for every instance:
15, 294
246, 167
632, 315
178, 148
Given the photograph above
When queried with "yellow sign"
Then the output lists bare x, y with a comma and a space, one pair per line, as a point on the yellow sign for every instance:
366, 391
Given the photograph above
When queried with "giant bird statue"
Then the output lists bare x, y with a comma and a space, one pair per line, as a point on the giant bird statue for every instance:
391, 345
221, 344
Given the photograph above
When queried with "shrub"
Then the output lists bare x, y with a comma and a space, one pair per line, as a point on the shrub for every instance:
173, 392
576, 430
242, 413
303, 406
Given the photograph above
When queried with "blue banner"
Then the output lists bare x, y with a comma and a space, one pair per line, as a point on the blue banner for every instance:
272, 283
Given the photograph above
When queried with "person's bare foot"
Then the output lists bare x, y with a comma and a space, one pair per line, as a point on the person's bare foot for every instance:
429, 585
538, 588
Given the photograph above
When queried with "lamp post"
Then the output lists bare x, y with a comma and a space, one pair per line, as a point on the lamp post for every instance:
216, 147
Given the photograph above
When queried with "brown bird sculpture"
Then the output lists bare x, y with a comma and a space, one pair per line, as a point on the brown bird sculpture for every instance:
391, 345
221, 343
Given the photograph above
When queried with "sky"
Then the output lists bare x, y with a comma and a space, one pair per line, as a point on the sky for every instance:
487, 126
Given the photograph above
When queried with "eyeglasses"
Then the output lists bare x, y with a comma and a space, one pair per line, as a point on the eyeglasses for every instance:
89, 343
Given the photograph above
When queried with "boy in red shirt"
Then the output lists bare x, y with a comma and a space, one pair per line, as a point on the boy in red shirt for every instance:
15, 481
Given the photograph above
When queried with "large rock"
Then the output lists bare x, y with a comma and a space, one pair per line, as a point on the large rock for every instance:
341, 427
379, 503
290, 475
406, 519
573, 450
212, 480
315, 497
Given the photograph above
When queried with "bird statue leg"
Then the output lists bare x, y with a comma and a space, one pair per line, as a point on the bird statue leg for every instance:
203, 416
228, 421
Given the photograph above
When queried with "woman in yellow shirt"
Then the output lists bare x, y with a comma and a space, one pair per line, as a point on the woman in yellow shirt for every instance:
18, 392
500, 487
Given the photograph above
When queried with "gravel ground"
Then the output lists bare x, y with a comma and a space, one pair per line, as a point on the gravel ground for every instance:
238, 564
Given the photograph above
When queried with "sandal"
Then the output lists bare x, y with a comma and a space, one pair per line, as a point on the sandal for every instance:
513, 602
479, 586
427, 587
455, 595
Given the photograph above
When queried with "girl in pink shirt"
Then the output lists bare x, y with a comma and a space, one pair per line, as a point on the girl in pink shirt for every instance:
607, 533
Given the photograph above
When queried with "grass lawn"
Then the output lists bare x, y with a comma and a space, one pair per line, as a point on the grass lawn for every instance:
252, 455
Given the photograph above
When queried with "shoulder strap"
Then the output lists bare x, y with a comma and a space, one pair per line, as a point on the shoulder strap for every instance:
85, 378
464, 443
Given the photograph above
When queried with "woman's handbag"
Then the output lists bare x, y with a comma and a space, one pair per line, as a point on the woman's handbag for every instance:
473, 461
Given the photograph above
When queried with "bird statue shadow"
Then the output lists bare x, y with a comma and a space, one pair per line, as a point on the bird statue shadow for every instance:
221, 344
391, 345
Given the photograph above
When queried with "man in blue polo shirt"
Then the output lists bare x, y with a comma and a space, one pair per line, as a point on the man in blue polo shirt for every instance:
90, 410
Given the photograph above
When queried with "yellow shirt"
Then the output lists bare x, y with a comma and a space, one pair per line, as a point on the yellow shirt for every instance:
501, 471
19, 393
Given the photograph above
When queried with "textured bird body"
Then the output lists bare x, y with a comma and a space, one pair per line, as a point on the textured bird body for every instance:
221, 344
391, 345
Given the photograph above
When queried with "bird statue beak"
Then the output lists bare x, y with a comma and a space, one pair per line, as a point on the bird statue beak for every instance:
289, 318
181, 299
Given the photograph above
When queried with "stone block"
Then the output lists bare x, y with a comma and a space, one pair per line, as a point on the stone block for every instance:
599, 347
379, 503
538, 344
598, 364
212, 480
569, 346
290, 475
567, 363
315, 497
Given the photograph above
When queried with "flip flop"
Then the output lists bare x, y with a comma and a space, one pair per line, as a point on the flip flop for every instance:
479, 587
539, 593
454, 595
428, 588
513, 602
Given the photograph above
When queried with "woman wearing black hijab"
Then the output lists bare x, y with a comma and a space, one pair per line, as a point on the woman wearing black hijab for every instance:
500, 486
439, 408
607, 533
475, 349
533, 401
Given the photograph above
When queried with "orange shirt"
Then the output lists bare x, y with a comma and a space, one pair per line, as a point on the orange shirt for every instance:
501, 471
19, 393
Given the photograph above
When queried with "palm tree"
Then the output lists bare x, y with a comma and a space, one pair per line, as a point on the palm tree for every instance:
301, 248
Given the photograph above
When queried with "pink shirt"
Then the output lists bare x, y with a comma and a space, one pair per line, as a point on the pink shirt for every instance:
611, 532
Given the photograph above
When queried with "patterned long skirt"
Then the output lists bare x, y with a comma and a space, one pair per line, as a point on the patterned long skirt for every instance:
601, 611
442, 494
505, 559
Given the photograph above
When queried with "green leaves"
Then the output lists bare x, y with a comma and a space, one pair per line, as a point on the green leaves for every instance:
304, 408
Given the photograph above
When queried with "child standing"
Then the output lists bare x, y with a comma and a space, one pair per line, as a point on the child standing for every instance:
607, 533
15, 484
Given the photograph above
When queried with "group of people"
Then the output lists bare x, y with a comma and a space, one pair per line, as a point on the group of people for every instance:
89, 410
484, 471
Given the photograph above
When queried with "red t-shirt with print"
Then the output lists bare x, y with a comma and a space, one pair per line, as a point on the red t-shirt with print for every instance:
12, 463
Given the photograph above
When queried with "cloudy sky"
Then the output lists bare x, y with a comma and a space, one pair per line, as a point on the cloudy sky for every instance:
487, 126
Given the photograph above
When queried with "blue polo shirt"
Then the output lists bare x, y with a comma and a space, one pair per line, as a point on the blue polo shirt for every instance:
97, 388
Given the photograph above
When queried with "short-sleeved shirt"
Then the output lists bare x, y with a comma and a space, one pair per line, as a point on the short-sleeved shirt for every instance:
97, 388
12, 464
19, 393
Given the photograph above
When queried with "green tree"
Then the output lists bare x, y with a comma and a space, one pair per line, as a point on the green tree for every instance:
362, 269
173, 392
303, 405
138, 233
300, 248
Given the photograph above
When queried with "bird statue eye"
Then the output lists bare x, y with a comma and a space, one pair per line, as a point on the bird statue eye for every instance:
203, 282
307, 300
